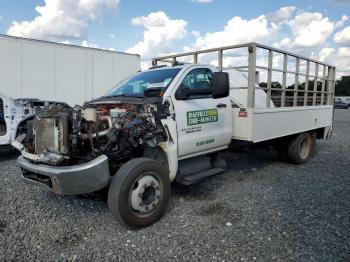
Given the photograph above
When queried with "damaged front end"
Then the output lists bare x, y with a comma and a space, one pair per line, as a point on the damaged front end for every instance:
73, 151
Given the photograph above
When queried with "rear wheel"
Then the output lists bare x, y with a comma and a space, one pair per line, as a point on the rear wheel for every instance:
139, 192
301, 148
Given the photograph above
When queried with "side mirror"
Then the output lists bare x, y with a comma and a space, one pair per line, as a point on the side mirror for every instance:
221, 85
182, 93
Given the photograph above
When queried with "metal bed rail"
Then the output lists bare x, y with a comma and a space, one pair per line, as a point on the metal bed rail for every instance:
325, 82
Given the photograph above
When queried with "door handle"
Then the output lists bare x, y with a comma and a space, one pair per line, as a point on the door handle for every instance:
221, 105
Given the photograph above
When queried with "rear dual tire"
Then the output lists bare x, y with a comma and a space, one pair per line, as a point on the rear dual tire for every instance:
139, 192
299, 149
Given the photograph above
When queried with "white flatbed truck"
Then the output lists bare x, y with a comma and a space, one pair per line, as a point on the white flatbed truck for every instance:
167, 124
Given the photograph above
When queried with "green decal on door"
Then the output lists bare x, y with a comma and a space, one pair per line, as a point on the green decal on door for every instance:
202, 116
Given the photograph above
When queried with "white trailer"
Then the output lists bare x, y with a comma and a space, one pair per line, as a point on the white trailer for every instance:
54, 71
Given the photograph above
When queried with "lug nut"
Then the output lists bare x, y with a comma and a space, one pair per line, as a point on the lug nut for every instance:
157, 196
152, 184
141, 204
146, 207
140, 194
154, 205
144, 186
157, 187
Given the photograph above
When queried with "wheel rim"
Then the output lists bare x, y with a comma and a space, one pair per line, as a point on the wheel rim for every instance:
304, 148
145, 193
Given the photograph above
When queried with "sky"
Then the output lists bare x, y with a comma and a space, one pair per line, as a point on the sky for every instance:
319, 29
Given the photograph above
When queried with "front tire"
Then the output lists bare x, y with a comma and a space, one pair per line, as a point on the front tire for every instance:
139, 192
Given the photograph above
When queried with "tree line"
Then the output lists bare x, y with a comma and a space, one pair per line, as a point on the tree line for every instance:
342, 86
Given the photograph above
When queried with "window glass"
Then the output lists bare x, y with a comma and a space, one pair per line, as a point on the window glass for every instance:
137, 84
200, 78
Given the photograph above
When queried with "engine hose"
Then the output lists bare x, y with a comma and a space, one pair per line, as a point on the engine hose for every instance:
84, 136
97, 151
106, 131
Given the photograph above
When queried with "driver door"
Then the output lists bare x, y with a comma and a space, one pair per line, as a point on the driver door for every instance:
204, 124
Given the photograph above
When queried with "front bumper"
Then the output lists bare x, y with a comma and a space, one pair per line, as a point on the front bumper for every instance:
67, 180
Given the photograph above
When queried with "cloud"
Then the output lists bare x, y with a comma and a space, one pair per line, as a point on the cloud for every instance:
145, 65
308, 30
160, 34
282, 14
281, 28
343, 37
237, 31
306, 33
264, 28
341, 22
325, 53
85, 43
112, 35
344, 51
202, 1
339, 57
195, 33
62, 19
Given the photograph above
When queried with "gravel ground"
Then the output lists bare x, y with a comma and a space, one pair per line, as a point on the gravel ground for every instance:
260, 209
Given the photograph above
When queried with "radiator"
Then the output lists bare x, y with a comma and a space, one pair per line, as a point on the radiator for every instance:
50, 133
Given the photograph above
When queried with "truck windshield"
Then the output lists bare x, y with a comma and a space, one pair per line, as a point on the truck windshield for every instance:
137, 84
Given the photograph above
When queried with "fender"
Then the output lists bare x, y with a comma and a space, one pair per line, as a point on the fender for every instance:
170, 146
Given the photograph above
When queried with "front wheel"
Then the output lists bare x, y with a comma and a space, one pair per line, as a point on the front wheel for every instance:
139, 192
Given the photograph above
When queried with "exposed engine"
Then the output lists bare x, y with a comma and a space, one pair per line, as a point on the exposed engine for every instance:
64, 135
